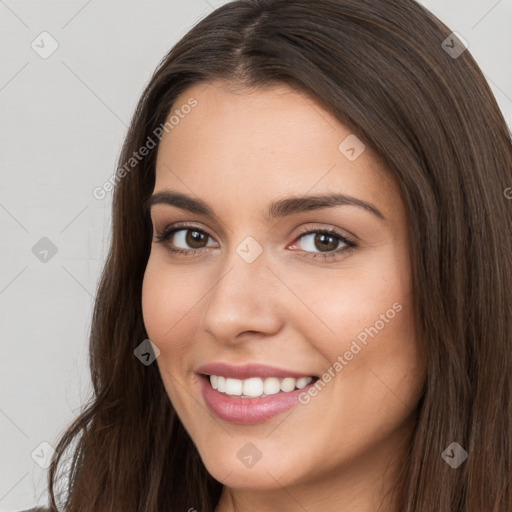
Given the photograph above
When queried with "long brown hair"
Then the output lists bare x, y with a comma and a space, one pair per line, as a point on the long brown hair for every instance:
382, 69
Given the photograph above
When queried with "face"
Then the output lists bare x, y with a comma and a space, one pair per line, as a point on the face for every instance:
302, 306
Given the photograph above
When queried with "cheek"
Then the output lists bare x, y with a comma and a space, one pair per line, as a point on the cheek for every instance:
351, 302
166, 308
168, 300
365, 315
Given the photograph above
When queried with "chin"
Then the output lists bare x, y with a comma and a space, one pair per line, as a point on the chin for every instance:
262, 475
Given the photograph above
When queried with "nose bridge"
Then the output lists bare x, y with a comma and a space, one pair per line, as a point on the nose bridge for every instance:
241, 298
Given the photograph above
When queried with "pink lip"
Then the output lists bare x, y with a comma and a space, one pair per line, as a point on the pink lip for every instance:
247, 371
247, 410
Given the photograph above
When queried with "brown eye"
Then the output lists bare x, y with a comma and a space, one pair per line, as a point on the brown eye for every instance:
194, 239
325, 242
322, 241
183, 239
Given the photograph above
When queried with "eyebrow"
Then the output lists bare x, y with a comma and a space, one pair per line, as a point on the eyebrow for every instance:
281, 208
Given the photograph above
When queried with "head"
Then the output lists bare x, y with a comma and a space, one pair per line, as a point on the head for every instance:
260, 102
267, 289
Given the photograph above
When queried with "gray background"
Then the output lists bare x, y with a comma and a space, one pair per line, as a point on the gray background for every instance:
63, 121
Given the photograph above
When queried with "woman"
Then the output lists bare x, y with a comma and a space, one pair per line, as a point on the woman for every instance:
311, 225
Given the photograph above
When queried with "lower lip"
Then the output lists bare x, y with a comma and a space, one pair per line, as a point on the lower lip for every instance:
248, 410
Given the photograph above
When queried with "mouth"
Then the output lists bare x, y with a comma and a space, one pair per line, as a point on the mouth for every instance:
257, 387
252, 400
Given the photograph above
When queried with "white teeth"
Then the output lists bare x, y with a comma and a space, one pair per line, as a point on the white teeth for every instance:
288, 384
221, 384
302, 382
233, 387
271, 386
256, 387
252, 387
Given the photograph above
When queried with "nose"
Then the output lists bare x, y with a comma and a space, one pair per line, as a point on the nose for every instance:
245, 298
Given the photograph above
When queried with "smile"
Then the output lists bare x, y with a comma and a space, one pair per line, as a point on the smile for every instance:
256, 386
250, 394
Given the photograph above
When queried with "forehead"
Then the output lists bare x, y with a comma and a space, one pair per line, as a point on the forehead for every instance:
252, 143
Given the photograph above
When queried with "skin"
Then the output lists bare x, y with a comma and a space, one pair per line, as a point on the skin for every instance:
238, 150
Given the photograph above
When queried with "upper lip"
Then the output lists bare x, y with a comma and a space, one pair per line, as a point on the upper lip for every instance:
247, 371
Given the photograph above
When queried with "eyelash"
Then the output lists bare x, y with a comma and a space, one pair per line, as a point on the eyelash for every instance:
170, 230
